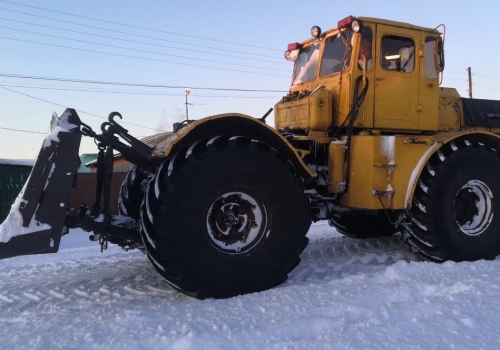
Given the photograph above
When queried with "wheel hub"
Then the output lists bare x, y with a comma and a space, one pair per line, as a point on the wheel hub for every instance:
473, 208
235, 222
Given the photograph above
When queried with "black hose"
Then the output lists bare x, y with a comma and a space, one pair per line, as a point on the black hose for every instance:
352, 116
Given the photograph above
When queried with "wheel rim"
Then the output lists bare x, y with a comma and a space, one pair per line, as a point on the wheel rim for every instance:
235, 223
473, 208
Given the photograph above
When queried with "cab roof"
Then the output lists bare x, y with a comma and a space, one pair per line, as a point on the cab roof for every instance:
396, 24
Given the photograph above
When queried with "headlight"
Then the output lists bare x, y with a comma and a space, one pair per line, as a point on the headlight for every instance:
315, 31
357, 25
291, 55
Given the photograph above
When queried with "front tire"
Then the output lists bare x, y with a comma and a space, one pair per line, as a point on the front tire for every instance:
455, 213
227, 216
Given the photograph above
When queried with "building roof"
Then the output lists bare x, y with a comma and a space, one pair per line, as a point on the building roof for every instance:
26, 162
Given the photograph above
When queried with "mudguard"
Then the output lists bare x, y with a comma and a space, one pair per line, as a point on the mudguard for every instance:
487, 138
36, 220
231, 124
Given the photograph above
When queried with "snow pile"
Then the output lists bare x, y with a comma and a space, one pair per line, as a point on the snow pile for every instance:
58, 124
25, 162
345, 294
12, 226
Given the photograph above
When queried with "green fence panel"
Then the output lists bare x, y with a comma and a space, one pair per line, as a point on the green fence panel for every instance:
12, 180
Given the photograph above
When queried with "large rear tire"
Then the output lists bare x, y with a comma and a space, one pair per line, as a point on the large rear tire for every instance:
227, 216
131, 194
455, 213
363, 225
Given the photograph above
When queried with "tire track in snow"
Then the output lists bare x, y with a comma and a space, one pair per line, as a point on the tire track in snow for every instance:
118, 277
338, 256
100, 279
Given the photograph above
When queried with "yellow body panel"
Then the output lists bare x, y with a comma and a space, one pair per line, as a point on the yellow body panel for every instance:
384, 170
450, 110
380, 170
311, 113
336, 166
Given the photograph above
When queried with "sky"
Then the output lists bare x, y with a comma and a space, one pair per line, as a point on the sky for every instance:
205, 46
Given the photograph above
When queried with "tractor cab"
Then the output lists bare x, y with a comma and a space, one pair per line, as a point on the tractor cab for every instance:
398, 64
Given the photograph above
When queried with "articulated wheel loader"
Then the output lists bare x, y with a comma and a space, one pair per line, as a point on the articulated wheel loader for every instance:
366, 138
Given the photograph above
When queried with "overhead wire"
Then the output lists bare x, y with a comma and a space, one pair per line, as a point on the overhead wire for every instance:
281, 61
27, 131
128, 33
142, 58
142, 51
134, 57
138, 27
101, 82
78, 110
81, 89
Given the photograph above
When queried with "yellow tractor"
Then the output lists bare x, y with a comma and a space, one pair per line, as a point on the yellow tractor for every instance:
366, 138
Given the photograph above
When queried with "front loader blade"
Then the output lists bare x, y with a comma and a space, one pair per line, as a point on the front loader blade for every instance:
36, 220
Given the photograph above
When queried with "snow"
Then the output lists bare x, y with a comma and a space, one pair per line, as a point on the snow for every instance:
59, 124
26, 162
12, 225
345, 294
387, 148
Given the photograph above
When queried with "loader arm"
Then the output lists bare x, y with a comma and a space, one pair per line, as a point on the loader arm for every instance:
36, 220
40, 215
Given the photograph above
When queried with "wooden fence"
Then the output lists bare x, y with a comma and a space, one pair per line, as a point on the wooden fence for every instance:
86, 188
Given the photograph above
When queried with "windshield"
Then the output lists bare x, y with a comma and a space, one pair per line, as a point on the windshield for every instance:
337, 53
336, 58
305, 66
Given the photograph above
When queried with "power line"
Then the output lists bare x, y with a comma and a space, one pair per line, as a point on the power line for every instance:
128, 33
26, 86
146, 43
486, 76
143, 51
34, 77
138, 27
488, 87
29, 131
80, 111
141, 58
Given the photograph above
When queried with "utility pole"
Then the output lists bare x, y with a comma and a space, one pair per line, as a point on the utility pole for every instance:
187, 91
469, 72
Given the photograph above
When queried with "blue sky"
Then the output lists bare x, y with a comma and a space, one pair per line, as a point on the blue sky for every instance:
198, 44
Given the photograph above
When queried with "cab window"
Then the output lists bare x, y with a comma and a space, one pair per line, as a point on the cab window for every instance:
430, 69
365, 50
398, 54
336, 54
305, 66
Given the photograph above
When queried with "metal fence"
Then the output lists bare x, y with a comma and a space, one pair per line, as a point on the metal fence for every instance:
12, 179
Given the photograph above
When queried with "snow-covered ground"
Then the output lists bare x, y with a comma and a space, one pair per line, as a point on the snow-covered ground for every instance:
346, 294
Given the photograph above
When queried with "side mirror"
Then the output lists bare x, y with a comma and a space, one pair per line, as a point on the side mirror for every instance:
439, 54
291, 55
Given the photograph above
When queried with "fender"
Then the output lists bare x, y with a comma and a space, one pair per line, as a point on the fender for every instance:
231, 124
487, 138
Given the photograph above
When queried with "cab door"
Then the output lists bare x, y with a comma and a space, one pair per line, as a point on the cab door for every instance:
428, 97
396, 78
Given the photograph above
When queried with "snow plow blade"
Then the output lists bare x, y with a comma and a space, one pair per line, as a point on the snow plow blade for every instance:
36, 220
